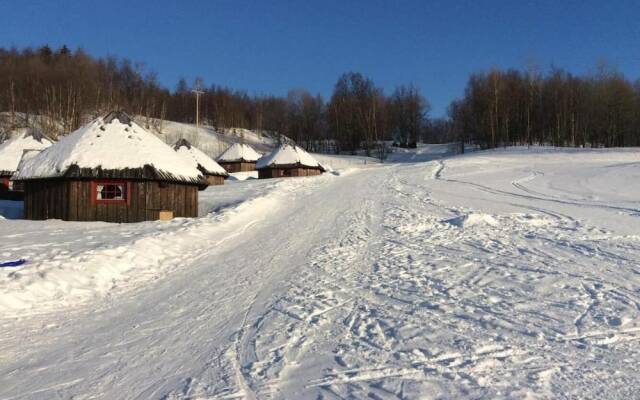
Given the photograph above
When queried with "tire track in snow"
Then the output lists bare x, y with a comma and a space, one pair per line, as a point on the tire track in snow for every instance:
309, 306
630, 211
430, 304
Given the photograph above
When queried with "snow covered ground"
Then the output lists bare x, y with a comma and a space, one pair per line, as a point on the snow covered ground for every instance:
331, 161
505, 274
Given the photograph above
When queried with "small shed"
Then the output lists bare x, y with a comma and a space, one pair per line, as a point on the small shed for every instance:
239, 157
288, 160
12, 152
110, 170
212, 171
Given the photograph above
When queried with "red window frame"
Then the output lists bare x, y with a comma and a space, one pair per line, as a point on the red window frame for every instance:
94, 192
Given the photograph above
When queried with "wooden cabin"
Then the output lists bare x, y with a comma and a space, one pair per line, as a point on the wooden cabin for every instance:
24, 144
239, 157
212, 171
288, 161
110, 170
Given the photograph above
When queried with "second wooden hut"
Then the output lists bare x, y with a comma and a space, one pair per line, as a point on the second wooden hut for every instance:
212, 171
239, 157
288, 160
12, 153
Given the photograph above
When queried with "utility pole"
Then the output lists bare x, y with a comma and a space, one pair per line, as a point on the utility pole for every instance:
198, 92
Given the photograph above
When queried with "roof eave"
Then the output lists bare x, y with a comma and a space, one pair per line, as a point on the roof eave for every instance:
146, 173
288, 166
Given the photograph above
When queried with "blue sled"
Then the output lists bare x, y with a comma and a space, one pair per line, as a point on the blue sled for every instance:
16, 263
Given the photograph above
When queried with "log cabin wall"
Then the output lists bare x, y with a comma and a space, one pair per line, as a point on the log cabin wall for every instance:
72, 200
231, 167
213, 180
267, 173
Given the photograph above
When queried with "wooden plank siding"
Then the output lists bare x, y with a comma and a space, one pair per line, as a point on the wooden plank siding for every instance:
267, 173
213, 180
71, 200
231, 167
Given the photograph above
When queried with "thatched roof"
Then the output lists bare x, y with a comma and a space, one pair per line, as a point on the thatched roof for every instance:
239, 152
113, 146
23, 140
288, 156
201, 161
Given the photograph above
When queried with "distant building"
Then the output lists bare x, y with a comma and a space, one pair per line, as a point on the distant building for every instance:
12, 153
288, 160
239, 157
110, 170
212, 171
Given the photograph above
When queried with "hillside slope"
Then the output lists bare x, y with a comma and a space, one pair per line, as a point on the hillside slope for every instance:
214, 141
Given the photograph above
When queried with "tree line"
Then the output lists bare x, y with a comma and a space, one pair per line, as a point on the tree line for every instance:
66, 88
515, 107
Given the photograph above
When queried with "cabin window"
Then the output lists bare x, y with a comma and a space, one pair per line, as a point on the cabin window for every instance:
110, 192
4, 183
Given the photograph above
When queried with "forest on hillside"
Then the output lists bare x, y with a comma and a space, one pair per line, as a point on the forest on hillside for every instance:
498, 108
557, 108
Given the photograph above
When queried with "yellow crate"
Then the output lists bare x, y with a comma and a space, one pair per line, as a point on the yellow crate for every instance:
165, 215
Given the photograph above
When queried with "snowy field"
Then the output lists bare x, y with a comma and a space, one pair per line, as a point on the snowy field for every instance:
505, 274
341, 162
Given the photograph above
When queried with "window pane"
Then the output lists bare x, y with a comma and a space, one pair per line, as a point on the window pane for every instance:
110, 192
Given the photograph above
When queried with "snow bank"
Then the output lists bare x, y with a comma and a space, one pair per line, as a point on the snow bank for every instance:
423, 153
472, 219
96, 259
112, 145
335, 161
242, 176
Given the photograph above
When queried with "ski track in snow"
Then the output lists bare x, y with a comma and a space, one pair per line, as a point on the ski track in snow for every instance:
390, 282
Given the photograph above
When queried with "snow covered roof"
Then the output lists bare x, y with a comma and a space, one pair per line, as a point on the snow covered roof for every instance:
12, 150
113, 146
239, 152
202, 161
288, 156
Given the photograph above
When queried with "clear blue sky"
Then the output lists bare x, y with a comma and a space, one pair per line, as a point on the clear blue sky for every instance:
269, 47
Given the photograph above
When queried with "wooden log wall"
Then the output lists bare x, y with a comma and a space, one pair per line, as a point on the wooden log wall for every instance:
71, 200
238, 166
287, 172
213, 180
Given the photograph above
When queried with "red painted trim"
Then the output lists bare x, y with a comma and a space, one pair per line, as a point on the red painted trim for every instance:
94, 192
